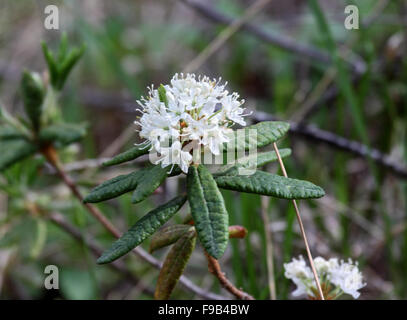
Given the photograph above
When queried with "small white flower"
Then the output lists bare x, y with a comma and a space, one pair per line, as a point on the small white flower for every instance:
175, 155
300, 274
336, 277
347, 276
321, 265
197, 110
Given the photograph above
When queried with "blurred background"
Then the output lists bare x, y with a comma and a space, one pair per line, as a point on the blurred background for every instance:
344, 92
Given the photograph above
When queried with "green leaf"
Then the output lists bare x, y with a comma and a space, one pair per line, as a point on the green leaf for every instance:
62, 134
208, 210
52, 66
10, 133
13, 151
143, 228
60, 67
270, 185
143, 181
128, 155
174, 265
67, 65
114, 187
266, 132
63, 47
162, 94
250, 161
149, 182
33, 93
168, 235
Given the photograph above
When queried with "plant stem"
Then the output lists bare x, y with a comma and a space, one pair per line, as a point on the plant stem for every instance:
215, 269
269, 247
297, 211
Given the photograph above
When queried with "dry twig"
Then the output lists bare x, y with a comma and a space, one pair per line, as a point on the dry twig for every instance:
214, 268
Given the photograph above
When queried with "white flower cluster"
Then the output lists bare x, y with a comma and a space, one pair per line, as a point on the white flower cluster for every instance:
189, 113
345, 276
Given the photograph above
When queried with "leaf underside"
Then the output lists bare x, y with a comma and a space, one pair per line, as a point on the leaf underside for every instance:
168, 235
208, 210
128, 155
143, 229
174, 265
270, 185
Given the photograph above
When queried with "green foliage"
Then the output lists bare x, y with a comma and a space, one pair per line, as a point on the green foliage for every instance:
114, 187
62, 63
20, 139
33, 93
168, 235
208, 210
131, 154
269, 184
150, 180
13, 151
174, 265
10, 133
143, 229
62, 134
267, 132
143, 182
206, 202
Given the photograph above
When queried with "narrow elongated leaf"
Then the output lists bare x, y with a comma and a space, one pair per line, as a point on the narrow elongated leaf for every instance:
266, 132
52, 66
270, 185
168, 235
128, 155
33, 93
143, 182
114, 187
67, 65
143, 228
13, 151
150, 180
250, 161
174, 265
208, 210
63, 47
10, 133
62, 134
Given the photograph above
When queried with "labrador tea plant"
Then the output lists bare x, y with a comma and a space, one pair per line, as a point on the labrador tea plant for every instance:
180, 122
183, 124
